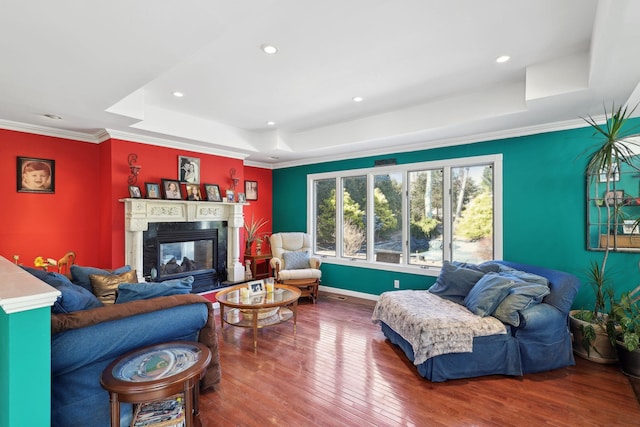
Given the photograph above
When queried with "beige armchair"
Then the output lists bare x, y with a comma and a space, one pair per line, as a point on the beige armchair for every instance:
293, 263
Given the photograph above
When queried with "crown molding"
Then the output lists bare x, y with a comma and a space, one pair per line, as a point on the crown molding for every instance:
48, 131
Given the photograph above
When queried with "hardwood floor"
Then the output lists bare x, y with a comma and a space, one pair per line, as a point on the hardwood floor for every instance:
338, 370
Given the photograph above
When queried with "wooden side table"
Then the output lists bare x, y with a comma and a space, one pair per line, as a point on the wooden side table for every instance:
260, 267
157, 372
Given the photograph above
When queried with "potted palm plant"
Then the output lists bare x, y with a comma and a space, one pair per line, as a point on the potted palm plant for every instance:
591, 328
626, 338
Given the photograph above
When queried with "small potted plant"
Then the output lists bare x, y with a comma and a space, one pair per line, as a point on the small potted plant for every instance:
626, 336
253, 231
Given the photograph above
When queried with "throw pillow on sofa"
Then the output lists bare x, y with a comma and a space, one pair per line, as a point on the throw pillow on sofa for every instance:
80, 274
488, 293
521, 296
72, 298
105, 285
137, 291
455, 282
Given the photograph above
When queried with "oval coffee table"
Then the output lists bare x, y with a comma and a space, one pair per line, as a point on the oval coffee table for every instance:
157, 372
258, 311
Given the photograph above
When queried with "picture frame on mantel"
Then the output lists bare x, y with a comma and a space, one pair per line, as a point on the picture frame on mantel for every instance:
189, 170
251, 190
34, 175
152, 190
171, 189
212, 192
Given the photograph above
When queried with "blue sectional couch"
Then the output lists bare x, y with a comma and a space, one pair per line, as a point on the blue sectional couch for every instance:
88, 335
537, 340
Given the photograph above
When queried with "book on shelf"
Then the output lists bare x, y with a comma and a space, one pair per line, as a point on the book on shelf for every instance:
161, 413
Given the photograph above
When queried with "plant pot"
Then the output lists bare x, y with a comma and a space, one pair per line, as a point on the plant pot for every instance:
601, 349
629, 360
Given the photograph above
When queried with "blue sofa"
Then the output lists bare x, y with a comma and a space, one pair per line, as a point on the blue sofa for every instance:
540, 342
87, 336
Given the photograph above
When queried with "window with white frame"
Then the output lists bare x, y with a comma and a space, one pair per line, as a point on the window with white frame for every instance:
421, 214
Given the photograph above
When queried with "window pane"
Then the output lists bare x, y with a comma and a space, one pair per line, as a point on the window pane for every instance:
425, 217
472, 213
388, 217
325, 214
354, 204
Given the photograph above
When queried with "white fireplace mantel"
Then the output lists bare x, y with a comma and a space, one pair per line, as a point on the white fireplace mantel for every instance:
138, 213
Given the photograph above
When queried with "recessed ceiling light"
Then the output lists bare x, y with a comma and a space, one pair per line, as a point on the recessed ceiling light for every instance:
270, 123
503, 58
178, 94
269, 48
52, 117
358, 99
274, 157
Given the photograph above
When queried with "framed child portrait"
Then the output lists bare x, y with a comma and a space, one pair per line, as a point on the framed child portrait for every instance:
230, 196
212, 192
35, 175
171, 189
242, 198
152, 190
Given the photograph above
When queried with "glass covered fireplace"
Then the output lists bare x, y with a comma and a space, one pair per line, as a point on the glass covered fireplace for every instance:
175, 250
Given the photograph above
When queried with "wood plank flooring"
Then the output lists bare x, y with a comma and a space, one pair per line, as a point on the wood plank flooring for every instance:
339, 370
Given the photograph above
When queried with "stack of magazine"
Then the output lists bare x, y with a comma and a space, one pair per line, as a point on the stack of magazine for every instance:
163, 413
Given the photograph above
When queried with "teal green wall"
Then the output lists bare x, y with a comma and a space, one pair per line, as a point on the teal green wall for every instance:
25, 368
543, 214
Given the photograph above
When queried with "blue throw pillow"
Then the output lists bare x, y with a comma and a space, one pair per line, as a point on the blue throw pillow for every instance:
455, 282
519, 298
485, 267
72, 298
485, 295
524, 276
145, 290
80, 275
295, 260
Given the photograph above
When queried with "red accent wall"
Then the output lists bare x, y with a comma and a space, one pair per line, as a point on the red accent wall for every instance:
85, 214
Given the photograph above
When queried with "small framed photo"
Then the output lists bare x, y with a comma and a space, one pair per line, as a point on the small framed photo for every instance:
230, 197
251, 190
193, 192
256, 287
212, 192
171, 189
189, 170
35, 175
242, 198
152, 190
134, 192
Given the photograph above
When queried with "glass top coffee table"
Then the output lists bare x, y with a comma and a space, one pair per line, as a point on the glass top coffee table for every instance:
258, 311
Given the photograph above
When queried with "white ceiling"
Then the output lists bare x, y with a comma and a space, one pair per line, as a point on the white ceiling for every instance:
425, 68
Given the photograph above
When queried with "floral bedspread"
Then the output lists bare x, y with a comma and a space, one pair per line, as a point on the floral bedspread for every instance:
431, 324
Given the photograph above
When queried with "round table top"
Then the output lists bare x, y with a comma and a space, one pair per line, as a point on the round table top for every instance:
282, 295
156, 364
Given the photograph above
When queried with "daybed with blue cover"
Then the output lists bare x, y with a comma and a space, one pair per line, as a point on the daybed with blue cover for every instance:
494, 318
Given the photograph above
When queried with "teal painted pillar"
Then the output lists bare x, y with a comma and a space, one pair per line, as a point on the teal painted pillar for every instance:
25, 348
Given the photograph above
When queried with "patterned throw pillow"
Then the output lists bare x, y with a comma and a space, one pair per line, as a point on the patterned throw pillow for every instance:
105, 286
296, 260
